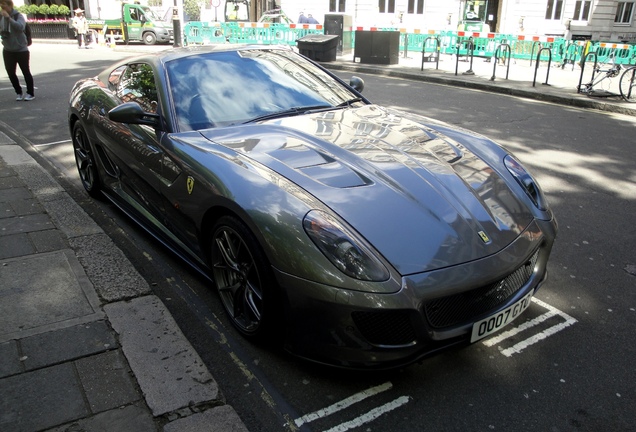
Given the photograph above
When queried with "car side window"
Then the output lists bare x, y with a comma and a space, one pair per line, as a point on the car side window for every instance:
115, 77
137, 84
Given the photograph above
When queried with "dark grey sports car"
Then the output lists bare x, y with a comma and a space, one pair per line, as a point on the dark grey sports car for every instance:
357, 235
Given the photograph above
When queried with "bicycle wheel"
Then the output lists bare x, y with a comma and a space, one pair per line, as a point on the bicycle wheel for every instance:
627, 84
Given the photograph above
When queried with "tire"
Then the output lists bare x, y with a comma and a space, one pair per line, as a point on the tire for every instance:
85, 161
150, 38
627, 84
244, 280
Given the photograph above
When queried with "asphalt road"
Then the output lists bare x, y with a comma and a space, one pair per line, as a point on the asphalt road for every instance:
569, 370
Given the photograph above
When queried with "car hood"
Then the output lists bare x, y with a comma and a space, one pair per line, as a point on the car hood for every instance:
424, 200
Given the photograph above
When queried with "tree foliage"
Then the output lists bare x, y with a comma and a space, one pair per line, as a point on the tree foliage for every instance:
192, 9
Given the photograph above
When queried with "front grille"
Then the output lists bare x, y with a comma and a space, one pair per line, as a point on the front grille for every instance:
385, 327
464, 307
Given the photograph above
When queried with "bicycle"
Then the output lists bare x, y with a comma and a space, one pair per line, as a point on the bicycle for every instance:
627, 84
607, 71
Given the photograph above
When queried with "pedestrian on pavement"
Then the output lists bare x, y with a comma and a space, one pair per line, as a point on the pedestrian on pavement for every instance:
15, 50
81, 27
311, 19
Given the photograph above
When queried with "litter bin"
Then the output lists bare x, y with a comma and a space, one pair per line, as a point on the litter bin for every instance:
377, 47
318, 47
340, 24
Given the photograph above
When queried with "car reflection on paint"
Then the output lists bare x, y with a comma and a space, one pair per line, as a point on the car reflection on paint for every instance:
353, 234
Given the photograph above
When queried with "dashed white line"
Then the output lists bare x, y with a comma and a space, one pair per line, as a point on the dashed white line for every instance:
371, 415
517, 348
343, 404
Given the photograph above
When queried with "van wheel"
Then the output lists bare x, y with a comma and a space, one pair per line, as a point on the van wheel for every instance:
150, 38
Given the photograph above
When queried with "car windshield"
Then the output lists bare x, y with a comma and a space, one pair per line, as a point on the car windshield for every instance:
225, 88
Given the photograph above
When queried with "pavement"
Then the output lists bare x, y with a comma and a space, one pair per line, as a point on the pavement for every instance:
85, 345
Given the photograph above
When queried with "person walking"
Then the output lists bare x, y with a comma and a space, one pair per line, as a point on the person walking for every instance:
311, 19
15, 50
81, 27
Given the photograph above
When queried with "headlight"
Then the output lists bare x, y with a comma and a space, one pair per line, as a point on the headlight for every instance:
527, 182
339, 245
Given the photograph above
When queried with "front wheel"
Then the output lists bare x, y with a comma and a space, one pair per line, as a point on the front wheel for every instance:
627, 84
243, 279
150, 38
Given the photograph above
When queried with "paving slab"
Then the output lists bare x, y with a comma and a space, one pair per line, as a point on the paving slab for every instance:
131, 418
41, 399
218, 419
67, 344
112, 275
169, 371
107, 381
44, 292
9, 359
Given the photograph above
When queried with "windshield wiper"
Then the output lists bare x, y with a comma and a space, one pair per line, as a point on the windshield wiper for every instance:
289, 112
349, 102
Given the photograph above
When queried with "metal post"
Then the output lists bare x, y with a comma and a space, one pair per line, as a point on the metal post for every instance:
176, 25
406, 45
471, 47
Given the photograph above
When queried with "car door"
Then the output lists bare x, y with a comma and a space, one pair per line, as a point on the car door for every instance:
133, 22
136, 150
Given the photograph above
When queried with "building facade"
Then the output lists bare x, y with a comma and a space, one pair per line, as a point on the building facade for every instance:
606, 20
599, 20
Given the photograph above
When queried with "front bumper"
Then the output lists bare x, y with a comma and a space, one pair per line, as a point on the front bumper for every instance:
433, 311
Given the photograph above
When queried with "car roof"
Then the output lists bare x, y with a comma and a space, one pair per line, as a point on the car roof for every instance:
158, 58
181, 52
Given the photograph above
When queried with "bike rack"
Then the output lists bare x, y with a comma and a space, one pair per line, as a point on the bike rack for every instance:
566, 58
536, 67
534, 44
494, 67
578, 88
435, 53
471, 49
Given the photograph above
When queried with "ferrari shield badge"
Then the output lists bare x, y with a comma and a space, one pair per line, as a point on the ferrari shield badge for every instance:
190, 184
484, 237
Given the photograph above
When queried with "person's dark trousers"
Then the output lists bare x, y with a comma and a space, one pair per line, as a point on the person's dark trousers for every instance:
13, 59
81, 40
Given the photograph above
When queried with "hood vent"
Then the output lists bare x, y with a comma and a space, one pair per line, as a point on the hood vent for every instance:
319, 166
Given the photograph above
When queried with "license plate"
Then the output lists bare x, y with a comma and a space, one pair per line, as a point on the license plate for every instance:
493, 323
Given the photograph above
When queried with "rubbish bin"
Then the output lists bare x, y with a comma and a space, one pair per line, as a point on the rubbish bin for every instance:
318, 47
377, 47
341, 25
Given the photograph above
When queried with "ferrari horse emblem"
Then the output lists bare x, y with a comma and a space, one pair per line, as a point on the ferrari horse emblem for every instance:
190, 184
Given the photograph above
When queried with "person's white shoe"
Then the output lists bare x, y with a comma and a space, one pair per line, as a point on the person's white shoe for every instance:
20, 97
28, 97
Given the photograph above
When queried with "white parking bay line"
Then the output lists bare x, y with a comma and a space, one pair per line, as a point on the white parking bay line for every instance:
343, 404
517, 348
371, 415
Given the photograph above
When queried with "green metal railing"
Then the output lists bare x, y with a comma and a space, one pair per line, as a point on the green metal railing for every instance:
558, 50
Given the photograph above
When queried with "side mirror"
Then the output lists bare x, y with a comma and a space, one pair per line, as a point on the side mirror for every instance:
131, 112
357, 83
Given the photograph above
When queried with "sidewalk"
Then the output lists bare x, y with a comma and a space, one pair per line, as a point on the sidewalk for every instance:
84, 344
